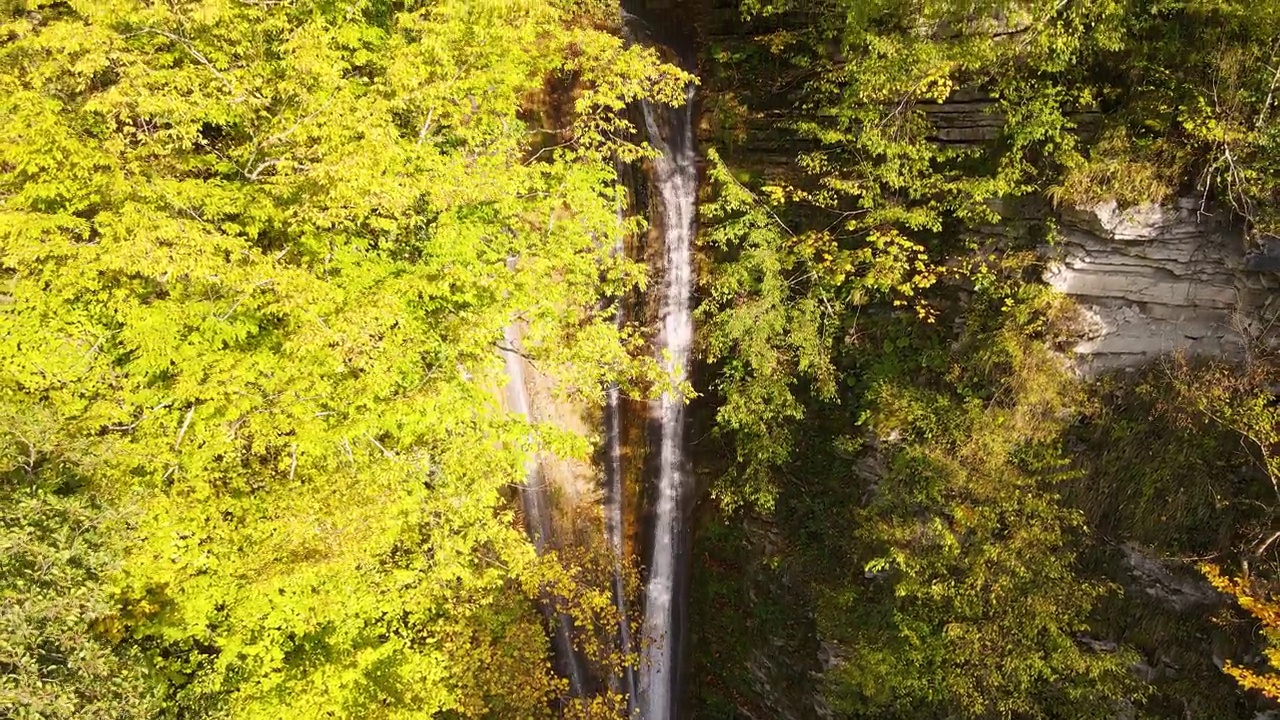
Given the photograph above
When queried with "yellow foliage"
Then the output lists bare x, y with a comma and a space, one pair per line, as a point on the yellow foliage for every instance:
1267, 611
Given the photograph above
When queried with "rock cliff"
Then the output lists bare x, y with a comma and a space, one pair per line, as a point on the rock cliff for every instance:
1158, 279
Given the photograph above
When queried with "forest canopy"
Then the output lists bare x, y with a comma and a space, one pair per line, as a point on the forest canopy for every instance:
260, 261
255, 262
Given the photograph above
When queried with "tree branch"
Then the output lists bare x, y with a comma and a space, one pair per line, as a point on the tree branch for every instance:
186, 44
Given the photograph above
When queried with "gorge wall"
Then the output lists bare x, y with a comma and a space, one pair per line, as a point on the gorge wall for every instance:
1149, 280
1152, 280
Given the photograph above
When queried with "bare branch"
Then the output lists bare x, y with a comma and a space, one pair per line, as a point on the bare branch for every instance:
1271, 92
385, 452
278, 137
422, 134
186, 44
185, 423
272, 162
1266, 543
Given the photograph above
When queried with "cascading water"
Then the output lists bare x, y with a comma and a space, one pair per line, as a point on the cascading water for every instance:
614, 521
538, 518
676, 181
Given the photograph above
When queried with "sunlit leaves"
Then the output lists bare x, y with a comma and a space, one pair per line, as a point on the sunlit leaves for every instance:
256, 264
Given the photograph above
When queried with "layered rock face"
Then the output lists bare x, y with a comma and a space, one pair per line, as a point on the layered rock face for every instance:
1153, 280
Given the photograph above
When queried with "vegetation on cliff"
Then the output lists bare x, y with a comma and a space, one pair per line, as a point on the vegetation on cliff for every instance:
941, 497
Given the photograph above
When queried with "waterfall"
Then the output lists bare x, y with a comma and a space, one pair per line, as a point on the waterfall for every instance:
675, 178
538, 518
614, 521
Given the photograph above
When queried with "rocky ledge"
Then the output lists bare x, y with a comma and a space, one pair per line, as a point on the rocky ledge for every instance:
1151, 280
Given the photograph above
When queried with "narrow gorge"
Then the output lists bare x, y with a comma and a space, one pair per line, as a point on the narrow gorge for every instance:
669, 183
1145, 283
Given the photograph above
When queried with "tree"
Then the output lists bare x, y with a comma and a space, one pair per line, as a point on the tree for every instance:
1264, 608
255, 258
54, 570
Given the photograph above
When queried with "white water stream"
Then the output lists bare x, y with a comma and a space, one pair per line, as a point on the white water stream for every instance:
675, 178
614, 516
537, 516
653, 687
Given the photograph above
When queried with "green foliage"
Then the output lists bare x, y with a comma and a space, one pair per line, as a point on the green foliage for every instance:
960, 595
772, 317
57, 660
255, 264
1161, 472
1166, 462
765, 337
872, 74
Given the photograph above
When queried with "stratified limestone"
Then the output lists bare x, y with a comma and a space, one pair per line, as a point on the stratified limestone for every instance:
1153, 280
